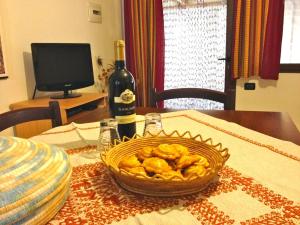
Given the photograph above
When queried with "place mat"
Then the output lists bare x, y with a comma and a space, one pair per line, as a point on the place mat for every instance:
235, 199
34, 180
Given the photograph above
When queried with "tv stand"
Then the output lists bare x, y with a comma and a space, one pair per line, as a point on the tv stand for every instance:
67, 94
70, 108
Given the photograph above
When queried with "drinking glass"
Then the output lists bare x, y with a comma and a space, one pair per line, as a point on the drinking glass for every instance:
153, 124
108, 134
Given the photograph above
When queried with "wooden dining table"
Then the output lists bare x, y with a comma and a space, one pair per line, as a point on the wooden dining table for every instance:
258, 184
275, 124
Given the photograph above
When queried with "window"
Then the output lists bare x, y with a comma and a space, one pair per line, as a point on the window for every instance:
290, 49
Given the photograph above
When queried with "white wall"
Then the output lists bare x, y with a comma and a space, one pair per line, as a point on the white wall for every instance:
281, 96
24, 22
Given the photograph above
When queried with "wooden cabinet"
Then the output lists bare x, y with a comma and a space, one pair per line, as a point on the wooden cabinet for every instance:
69, 108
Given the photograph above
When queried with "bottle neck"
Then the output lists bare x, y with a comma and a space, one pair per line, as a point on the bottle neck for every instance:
120, 54
120, 64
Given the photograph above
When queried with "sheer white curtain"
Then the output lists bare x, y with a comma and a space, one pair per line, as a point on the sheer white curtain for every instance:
195, 37
291, 32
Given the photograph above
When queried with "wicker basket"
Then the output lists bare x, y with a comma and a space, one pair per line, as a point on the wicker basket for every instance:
159, 186
34, 181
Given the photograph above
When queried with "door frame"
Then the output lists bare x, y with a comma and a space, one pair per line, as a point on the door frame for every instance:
230, 83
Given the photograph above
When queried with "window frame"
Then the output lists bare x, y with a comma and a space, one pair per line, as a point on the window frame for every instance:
289, 68
230, 83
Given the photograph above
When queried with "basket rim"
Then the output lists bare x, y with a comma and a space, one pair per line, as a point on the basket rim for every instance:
218, 148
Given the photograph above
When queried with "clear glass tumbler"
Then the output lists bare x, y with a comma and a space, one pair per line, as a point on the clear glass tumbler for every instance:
108, 134
153, 124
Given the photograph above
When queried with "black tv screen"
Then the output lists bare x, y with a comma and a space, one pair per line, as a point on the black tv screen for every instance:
62, 66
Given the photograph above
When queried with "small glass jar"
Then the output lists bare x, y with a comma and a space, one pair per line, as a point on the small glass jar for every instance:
153, 124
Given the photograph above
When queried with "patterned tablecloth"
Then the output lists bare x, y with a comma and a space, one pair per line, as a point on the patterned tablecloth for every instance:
260, 183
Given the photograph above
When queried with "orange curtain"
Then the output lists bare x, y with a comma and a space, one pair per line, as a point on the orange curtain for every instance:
257, 36
144, 36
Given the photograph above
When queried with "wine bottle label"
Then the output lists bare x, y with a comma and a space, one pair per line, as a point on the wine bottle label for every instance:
124, 107
126, 119
126, 97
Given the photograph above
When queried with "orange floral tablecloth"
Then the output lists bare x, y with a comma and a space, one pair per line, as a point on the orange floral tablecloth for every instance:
260, 183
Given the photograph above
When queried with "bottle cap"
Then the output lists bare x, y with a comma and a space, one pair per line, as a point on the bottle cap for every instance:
119, 43
120, 50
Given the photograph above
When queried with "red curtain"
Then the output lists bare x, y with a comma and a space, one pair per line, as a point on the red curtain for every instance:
257, 36
272, 49
144, 37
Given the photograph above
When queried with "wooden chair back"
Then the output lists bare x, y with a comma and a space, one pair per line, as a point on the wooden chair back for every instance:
12, 118
190, 93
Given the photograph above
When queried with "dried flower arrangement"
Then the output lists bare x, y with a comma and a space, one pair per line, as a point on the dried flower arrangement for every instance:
104, 74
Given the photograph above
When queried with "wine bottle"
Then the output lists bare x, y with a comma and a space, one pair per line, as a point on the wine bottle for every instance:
121, 94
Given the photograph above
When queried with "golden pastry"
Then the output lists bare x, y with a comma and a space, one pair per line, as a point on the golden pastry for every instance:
194, 170
166, 151
137, 170
156, 165
129, 162
203, 162
187, 160
181, 149
144, 153
172, 173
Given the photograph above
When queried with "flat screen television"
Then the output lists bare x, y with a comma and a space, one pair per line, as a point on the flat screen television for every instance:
62, 67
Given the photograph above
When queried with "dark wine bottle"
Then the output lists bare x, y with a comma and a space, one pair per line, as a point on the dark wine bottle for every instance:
121, 94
